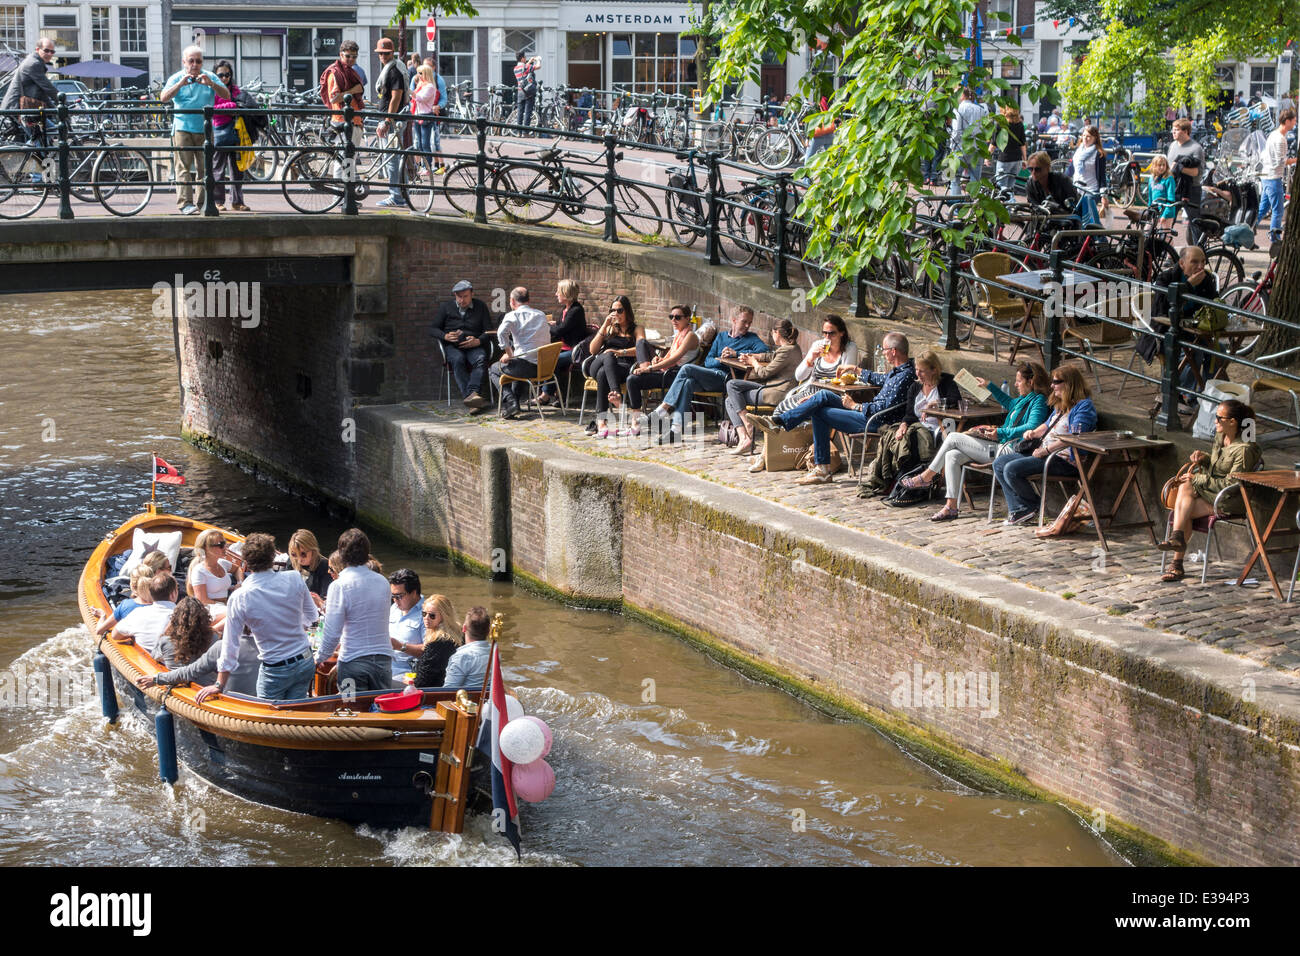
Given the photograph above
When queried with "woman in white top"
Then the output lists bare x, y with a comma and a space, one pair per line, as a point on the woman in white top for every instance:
1089, 178
829, 354
210, 578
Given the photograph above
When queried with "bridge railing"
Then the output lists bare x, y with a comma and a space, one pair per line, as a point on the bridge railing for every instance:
734, 213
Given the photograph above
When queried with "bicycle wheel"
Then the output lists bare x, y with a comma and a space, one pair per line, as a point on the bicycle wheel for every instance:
123, 181
685, 211
775, 149
1160, 256
885, 282
636, 210
676, 132
418, 188
749, 142
81, 162
733, 244
265, 162
312, 181
23, 184
587, 204
715, 135
459, 185
526, 193
1225, 266
1247, 297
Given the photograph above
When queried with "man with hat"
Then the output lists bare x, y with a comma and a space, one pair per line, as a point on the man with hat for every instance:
391, 92
459, 326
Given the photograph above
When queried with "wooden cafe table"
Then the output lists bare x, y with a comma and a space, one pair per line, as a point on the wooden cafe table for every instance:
962, 418
1113, 450
1285, 483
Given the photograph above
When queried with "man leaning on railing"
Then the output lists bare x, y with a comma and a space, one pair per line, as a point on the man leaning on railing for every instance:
192, 88
31, 90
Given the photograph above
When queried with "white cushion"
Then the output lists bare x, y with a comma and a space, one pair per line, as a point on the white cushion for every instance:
142, 542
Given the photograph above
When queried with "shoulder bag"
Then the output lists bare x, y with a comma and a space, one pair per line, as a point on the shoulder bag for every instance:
1169, 493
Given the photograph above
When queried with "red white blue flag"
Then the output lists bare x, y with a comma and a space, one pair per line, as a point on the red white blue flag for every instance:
166, 474
505, 811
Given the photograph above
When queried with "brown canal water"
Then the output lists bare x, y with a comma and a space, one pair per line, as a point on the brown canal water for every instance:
717, 770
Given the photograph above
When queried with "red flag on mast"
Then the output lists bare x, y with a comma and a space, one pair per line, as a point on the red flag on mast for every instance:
165, 473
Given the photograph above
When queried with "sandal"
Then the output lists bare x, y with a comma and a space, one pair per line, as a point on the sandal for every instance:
1175, 572
615, 400
944, 514
917, 483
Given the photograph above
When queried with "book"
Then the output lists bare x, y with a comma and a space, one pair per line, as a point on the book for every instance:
966, 381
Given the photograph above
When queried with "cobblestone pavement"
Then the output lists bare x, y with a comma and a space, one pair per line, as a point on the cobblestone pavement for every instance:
1124, 581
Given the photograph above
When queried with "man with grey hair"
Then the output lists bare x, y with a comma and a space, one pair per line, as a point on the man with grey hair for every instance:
29, 85
521, 333
193, 88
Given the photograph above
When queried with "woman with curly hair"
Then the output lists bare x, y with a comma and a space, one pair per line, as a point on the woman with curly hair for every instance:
441, 639
188, 634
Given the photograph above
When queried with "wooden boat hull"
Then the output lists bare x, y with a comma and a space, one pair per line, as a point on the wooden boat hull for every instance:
321, 758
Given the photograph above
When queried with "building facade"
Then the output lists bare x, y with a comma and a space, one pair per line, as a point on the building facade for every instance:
120, 31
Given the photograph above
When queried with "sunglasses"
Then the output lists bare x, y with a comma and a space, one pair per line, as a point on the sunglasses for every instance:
222, 546
349, 56
1058, 381
224, 76
431, 617
617, 308
830, 331
1224, 418
677, 318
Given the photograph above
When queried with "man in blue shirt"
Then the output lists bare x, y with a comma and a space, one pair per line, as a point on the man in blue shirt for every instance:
468, 666
828, 411
710, 377
405, 622
192, 88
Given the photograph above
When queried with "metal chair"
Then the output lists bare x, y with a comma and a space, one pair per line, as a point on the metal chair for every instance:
1045, 478
446, 369
869, 437
997, 304
1104, 334
546, 358
1279, 384
1295, 568
1208, 524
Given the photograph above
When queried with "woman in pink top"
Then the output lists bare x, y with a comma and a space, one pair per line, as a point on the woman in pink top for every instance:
424, 99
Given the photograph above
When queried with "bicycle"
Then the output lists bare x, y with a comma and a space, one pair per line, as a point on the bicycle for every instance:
779, 146
688, 216
119, 178
460, 181
1251, 297
316, 178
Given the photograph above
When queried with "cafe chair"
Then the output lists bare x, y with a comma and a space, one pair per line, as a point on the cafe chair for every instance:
446, 369
997, 305
1112, 329
1045, 479
1276, 383
547, 356
1140, 309
869, 437
1295, 568
1209, 524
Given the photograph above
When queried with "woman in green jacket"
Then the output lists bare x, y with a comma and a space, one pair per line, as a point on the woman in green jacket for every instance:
1211, 473
985, 442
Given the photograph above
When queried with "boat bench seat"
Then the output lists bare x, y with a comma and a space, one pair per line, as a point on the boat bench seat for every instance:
299, 703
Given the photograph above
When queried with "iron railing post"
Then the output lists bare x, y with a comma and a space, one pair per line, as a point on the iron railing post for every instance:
209, 165
952, 256
711, 212
780, 280
349, 170
65, 160
480, 160
611, 226
859, 307
1169, 418
1052, 313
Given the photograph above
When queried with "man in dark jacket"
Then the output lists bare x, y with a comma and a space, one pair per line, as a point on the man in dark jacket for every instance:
30, 83
459, 326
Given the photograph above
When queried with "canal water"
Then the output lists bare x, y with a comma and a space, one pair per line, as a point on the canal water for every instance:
716, 769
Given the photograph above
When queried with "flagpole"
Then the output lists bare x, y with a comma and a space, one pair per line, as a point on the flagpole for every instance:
153, 479
493, 633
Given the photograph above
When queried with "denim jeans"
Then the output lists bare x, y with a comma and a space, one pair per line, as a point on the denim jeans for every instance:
395, 169
563, 363
1006, 175
526, 110
468, 366
1012, 473
692, 379
1270, 201
519, 368
973, 167
287, 682
827, 413
372, 672
423, 132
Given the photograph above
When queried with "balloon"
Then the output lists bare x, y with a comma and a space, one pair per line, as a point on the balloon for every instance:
533, 782
546, 732
522, 741
514, 709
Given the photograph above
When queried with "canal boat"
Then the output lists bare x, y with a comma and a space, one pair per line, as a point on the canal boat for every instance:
324, 756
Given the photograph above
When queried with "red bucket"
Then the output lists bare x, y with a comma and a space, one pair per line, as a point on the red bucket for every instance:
400, 702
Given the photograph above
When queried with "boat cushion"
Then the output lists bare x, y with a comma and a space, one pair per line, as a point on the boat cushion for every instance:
142, 542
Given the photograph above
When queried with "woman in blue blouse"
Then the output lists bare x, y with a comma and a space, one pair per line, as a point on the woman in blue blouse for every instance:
984, 443
1072, 413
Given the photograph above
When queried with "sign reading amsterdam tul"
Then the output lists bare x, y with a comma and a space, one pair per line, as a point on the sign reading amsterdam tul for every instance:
597, 17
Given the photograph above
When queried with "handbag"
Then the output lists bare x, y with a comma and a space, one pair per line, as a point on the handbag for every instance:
806, 462
243, 158
1071, 516
1210, 321
1027, 446
728, 434
1169, 493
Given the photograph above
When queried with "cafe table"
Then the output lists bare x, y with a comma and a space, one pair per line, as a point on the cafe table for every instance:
1254, 484
1115, 450
964, 415
1037, 281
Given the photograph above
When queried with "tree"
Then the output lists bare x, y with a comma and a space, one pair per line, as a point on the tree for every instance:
903, 64
1168, 51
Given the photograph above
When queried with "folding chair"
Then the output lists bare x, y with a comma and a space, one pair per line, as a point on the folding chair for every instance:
446, 369
1104, 334
997, 304
546, 358
869, 438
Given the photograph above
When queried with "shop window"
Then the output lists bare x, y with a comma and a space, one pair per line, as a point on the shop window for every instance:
456, 55
13, 29
1263, 80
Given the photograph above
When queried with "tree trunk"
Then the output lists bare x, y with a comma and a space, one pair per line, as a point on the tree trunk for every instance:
1284, 303
702, 50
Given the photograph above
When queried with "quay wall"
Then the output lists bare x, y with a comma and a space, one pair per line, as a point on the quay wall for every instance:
1145, 733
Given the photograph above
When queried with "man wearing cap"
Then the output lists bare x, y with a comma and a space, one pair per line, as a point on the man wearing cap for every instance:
522, 332
459, 326
391, 92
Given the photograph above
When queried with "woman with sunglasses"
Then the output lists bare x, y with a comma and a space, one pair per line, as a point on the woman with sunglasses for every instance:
306, 559
659, 371
613, 351
829, 354
214, 573
1072, 413
441, 639
225, 137
1198, 488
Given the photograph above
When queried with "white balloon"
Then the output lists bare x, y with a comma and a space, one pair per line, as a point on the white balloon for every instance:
522, 742
514, 709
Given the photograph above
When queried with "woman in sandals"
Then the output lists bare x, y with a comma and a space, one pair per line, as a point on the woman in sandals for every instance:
653, 372
914, 437
771, 375
613, 351
984, 443
1211, 474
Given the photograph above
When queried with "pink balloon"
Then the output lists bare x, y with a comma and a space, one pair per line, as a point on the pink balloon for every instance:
546, 731
533, 782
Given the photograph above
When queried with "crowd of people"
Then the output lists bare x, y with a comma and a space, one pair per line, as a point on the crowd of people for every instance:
244, 627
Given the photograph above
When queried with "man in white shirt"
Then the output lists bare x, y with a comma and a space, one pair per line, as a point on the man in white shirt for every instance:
969, 115
1273, 179
356, 621
467, 668
521, 333
276, 609
146, 623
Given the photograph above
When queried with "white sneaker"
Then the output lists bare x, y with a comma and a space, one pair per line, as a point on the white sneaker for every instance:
189, 209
